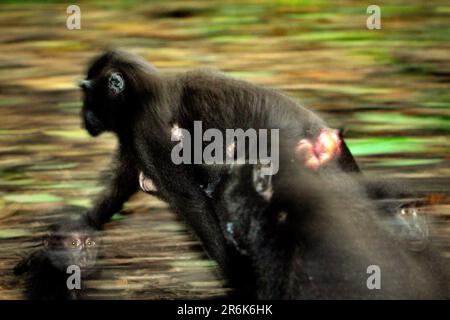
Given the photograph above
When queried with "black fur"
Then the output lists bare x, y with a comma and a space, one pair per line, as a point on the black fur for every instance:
143, 114
45, 270
315, 237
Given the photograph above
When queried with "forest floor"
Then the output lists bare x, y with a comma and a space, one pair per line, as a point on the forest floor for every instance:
388, 88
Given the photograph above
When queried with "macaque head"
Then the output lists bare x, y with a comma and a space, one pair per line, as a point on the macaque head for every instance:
72, 245
114, 82
247, 209
238, 204
264, 211
411, 225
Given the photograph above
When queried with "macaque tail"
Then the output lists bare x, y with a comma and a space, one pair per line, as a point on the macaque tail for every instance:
346, 160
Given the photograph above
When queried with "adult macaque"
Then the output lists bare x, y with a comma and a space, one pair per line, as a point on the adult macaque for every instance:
313, 236
125, 95
234, 217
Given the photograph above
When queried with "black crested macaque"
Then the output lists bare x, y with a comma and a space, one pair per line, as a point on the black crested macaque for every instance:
46, 271
313, 236
400, 209
126, 95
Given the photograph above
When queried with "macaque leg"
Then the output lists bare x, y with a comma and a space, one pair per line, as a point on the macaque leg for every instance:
186, 198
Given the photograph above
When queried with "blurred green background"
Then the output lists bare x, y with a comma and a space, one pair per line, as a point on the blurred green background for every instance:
388, 88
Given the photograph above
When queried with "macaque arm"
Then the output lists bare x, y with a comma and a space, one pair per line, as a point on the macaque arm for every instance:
186, 198
195, 206
121, 187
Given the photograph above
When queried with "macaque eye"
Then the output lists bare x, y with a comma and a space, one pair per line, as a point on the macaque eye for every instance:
90, 242
116, 84
281, 217
408, 211
75, 243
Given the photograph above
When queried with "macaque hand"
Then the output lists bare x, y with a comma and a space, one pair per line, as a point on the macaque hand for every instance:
146, 183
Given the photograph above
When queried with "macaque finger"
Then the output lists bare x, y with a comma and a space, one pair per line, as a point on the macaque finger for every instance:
146, 184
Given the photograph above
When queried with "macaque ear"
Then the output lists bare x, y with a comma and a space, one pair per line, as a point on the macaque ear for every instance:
116, 83
262, 182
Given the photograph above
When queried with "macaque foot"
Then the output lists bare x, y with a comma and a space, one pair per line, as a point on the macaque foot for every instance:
146, 183
326, 148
